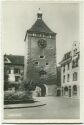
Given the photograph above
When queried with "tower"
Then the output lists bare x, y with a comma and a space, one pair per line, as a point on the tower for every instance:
40, 43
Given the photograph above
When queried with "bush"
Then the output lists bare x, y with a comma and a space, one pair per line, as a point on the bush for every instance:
16, 97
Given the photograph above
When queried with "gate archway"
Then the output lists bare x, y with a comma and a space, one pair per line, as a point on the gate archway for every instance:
43, 89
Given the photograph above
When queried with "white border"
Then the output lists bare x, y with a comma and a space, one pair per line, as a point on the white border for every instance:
81, 2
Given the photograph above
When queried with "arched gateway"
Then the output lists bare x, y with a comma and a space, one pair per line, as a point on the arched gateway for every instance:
43, 90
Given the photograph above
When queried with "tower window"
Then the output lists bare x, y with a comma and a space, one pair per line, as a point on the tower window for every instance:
46, 63
41, 56
36, 63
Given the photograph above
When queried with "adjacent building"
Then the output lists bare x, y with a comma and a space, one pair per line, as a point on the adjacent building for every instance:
58, 89
13, 70
70, 72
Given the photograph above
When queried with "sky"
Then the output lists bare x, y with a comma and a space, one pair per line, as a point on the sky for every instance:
18, 16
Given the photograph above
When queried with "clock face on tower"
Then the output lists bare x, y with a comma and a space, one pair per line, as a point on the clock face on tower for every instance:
42, 43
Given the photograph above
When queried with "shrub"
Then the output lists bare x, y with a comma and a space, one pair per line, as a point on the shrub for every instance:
10, 96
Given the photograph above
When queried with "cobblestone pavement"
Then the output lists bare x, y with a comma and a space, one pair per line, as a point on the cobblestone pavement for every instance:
55, 108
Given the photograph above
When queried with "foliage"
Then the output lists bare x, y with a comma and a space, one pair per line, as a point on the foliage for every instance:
27, 86
34, 76
21, 95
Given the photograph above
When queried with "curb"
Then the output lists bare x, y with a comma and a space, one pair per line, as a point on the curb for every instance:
24, 106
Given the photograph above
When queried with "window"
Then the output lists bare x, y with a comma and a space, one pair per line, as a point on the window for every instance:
17, 78
16, 70
66, 88
74, 90
68, 78
36, 63
42, 72
64, 68
46, 63
68, 66
64, 79
9, 71
75, 76
41, 57
75, 63
34, 34
50, 37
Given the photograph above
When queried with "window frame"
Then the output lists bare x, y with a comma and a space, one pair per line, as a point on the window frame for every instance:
68, 77
75, 76
63, 78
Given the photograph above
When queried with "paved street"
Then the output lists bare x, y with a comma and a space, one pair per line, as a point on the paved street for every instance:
55, 108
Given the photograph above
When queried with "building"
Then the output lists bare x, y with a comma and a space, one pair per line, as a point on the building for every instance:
70, 72
40, 42
13, 71
13, 74
58, 89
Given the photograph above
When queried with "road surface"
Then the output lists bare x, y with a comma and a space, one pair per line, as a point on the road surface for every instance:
55, 108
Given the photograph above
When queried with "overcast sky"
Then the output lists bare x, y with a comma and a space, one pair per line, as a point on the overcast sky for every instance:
19, 16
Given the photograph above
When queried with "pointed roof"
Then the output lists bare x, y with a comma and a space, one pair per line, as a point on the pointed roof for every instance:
14, 59
39, 26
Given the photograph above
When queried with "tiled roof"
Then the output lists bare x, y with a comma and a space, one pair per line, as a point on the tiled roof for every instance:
40, 27
15, 59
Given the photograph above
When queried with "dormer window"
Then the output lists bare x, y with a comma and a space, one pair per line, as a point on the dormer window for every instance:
75, 51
